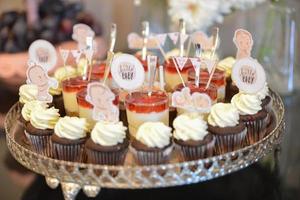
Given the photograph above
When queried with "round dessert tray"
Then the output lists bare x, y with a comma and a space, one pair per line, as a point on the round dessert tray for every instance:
91, 178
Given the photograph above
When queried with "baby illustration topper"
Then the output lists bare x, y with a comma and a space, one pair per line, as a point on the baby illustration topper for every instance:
199, 102
101, 97
248, 75
243, 41
80, 33
37, 75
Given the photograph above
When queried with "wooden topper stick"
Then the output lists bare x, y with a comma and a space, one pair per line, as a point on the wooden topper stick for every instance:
145, 33
89, 55
189, 47
161, 78
182, 33
110, 53
177, 69
215, 39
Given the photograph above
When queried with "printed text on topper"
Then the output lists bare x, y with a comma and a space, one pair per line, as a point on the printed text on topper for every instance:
101, 97
244, 42
248, 75
43, 53
37, 75
199, 102
127, 71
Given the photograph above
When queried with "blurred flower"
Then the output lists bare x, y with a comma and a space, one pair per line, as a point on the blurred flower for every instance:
200, 14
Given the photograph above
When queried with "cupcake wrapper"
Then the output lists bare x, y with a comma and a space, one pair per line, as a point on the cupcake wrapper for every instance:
256, 130
230, 142
40, 143
152, 158
106, 158
198, 152
73, 152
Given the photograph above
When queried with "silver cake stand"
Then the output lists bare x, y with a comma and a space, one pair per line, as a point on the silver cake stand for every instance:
91, 178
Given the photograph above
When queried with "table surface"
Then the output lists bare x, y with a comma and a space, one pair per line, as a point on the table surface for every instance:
277, 176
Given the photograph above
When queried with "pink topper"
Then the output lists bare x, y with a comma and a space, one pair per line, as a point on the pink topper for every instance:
101, 97
244, 42
37, 75
174, 37
199, 102
135, 41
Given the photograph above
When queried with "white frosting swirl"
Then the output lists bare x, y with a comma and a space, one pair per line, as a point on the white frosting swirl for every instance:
41, 118
108, 134
247, 104
189, 127
154, 134
30, 106
60, 74
223, 115
71, 128
264, 92
28, 92
226, 65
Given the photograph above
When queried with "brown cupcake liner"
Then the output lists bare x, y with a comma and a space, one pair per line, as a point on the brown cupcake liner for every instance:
198, 152
106, 158
40, 143
230, 142
70, 152
256, 129
152, 157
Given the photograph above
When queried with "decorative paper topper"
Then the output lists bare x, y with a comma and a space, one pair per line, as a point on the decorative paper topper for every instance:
244, 42
196, 62
101, 97
174, 37
37, 75
209, 64
80, 33
43, 53
181, 61
199, 102
127, 71
161, 38
135, 41
206, 42
64, 53
248, 75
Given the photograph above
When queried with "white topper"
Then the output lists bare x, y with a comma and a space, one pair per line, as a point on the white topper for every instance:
101, 97
43, 53
196, 102
248, 75
128, 72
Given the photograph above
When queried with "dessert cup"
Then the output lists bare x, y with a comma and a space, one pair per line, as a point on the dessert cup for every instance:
70, 89
106, 155
172, 78
218, 80
141, 107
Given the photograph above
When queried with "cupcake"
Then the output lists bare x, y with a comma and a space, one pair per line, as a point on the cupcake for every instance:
252, 114
152, 144
192, 137
224, 123
70, 135
108, 144
40, 129
60, 74
28, 107
27, 92
231, 89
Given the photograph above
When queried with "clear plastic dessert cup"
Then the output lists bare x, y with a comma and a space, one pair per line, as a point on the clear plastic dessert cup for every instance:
218, 79
142, 107
70, 89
